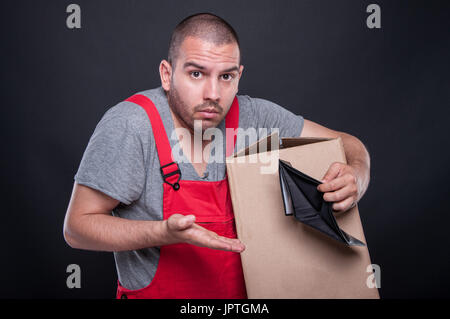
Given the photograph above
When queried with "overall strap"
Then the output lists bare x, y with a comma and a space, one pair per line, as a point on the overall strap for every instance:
170, 171
231, 124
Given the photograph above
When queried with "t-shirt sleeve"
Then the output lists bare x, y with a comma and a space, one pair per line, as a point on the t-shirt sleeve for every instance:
113, 161
271, 115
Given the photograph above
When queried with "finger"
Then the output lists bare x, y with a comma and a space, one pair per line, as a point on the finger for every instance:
232, 244
229, 240
220, 243
235, 242
344, 205
333, 172
180, 222
341, 194
214, 242
333, 185
200, 236
185, 222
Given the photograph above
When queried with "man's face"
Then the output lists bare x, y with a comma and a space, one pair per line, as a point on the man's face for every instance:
204, 82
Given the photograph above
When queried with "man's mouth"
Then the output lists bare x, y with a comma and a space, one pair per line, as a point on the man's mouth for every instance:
209, 112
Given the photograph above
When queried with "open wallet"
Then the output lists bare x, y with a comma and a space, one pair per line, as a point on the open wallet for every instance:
305, 202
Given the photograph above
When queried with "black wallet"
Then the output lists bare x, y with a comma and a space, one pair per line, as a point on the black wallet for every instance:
302, 199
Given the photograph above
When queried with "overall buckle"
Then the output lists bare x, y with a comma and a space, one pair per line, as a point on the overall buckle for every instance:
176, 185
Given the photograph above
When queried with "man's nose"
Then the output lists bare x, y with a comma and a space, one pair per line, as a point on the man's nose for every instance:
212, 90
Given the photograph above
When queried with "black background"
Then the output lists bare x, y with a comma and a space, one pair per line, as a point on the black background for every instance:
389, 87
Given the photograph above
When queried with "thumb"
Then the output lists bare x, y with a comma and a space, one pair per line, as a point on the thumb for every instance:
181, 222
332, 173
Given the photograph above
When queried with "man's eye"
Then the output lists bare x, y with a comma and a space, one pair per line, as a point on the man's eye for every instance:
227, 77
196, 74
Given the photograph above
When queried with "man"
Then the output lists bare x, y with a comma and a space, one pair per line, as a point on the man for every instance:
179, 240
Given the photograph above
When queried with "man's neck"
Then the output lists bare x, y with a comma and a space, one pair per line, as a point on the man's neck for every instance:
179, 123
195, 154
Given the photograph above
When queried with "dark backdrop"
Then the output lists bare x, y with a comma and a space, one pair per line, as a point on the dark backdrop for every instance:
389, 87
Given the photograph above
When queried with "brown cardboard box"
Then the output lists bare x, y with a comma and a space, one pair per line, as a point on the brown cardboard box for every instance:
285, 258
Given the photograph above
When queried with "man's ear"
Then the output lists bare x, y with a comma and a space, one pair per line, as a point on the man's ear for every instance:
165, 72
241, 68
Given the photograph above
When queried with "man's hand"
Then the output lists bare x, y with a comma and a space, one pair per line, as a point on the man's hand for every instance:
182, 228
340, 185
343, 184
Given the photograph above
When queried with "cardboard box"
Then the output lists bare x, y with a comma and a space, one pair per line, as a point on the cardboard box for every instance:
285, 258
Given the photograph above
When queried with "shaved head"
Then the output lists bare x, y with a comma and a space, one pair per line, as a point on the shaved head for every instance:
205, 26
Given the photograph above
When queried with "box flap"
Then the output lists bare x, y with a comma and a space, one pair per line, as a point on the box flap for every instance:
297, 141
268, 143
265, 144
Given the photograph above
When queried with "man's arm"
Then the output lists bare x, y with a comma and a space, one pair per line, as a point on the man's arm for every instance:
89, 225
343, 184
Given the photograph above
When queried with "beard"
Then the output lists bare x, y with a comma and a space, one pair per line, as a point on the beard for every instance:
186, 114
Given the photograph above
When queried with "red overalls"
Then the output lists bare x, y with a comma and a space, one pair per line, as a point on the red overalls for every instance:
187, 271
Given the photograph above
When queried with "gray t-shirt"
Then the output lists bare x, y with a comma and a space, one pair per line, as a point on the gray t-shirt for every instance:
121, 161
